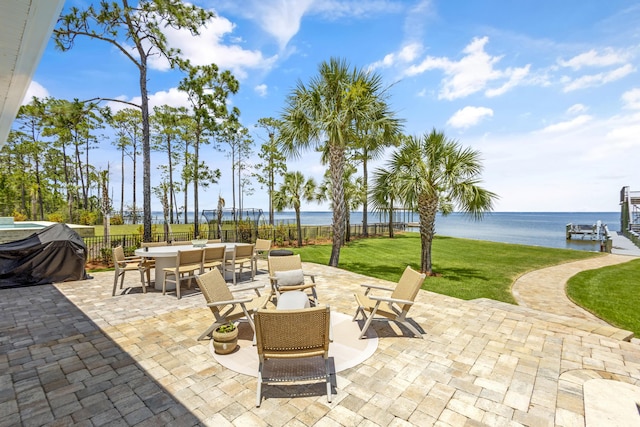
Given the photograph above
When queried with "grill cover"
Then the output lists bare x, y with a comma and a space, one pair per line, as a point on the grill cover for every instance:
53, 254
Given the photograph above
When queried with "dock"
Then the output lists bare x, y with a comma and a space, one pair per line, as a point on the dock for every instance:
597, 231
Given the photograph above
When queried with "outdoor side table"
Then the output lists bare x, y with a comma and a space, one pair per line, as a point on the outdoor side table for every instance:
280, 252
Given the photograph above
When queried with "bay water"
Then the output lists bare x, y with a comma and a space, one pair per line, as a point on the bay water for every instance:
547, 229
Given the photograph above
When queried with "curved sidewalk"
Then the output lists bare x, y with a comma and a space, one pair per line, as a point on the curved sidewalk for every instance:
544, 289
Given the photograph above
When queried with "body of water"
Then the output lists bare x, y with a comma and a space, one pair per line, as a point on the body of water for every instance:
527, 228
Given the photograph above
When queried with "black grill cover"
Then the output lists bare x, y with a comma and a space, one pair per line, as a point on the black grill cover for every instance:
53, 254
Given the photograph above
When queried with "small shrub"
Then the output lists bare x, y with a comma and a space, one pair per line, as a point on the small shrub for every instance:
19, 216
116, 220
56, 217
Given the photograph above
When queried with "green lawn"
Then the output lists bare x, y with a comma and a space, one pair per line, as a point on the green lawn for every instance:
467, 269
611, 293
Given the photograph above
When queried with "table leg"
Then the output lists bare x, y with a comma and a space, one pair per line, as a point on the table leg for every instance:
164, 262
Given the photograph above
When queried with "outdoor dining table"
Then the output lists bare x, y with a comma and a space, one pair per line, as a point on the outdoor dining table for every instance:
165, 257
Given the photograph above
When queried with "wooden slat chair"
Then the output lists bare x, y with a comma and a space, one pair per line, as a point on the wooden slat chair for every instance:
214, 241
123, 264
224, 306
285, 274
394, 307
292, 334
214, 257
242, 254
188, 263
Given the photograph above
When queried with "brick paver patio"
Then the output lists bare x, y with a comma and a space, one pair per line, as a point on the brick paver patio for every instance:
71, 354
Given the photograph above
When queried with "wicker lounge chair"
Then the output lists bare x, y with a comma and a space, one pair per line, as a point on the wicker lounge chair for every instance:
223, 304
123, 264
292, 334
285, 274
394, 307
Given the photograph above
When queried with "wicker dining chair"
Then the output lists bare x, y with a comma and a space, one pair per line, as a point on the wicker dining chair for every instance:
214, 257
122, 264
285, 274
187, 264
224, 305
292, 334
261, 250
242, 254
394, 307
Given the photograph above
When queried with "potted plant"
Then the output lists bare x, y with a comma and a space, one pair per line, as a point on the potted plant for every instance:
225, 338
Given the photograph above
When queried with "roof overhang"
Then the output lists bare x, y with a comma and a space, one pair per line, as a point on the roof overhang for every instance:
25, 29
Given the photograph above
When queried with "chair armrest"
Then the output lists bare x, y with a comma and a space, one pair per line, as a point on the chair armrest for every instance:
386, 299
246, 288
372, 286
310, 276
233, 301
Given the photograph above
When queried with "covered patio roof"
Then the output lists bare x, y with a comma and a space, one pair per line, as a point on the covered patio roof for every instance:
25, 28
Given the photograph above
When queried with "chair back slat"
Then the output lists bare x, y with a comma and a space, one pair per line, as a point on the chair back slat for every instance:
214, 288
408, 285
244, 251
189, 257
216, 253
292, 333
284, 263
118, 255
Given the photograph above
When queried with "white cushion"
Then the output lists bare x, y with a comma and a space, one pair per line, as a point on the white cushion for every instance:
290, 277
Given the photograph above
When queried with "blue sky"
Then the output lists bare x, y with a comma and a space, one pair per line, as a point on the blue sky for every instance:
547, 91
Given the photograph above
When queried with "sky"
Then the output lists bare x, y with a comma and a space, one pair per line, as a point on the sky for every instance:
548, 92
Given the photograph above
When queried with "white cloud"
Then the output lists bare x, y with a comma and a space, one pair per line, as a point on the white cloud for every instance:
469, 116
261, 90
631, 99
568, 125
597, 79
35, 89
210, 47
472, 73
173, 97
406, 54
594, 58
576, 109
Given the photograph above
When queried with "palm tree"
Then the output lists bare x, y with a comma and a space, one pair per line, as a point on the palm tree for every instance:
434, 173
292, 192
353, 193
382, 195
327, 113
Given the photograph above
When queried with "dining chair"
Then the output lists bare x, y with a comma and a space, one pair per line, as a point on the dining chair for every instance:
394, 307
214, 257
122, 264
242, 254
187, 264
214, 241
261, 250
289, 335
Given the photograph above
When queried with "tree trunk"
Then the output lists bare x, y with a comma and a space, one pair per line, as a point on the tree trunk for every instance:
427, 208
146, 147
365, 204
299, 226
336, 168
196, 155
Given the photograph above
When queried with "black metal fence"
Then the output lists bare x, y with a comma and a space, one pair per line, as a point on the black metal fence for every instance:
99, 248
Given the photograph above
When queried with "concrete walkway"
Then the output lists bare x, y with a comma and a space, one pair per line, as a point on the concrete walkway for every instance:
71, 354
544, 289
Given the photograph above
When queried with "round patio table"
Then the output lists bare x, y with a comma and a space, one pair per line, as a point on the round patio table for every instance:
165, 257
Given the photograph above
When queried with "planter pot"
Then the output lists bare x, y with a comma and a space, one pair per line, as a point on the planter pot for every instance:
225, 342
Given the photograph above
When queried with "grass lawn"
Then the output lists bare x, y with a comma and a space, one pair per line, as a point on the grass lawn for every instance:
611, 293
467, 269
